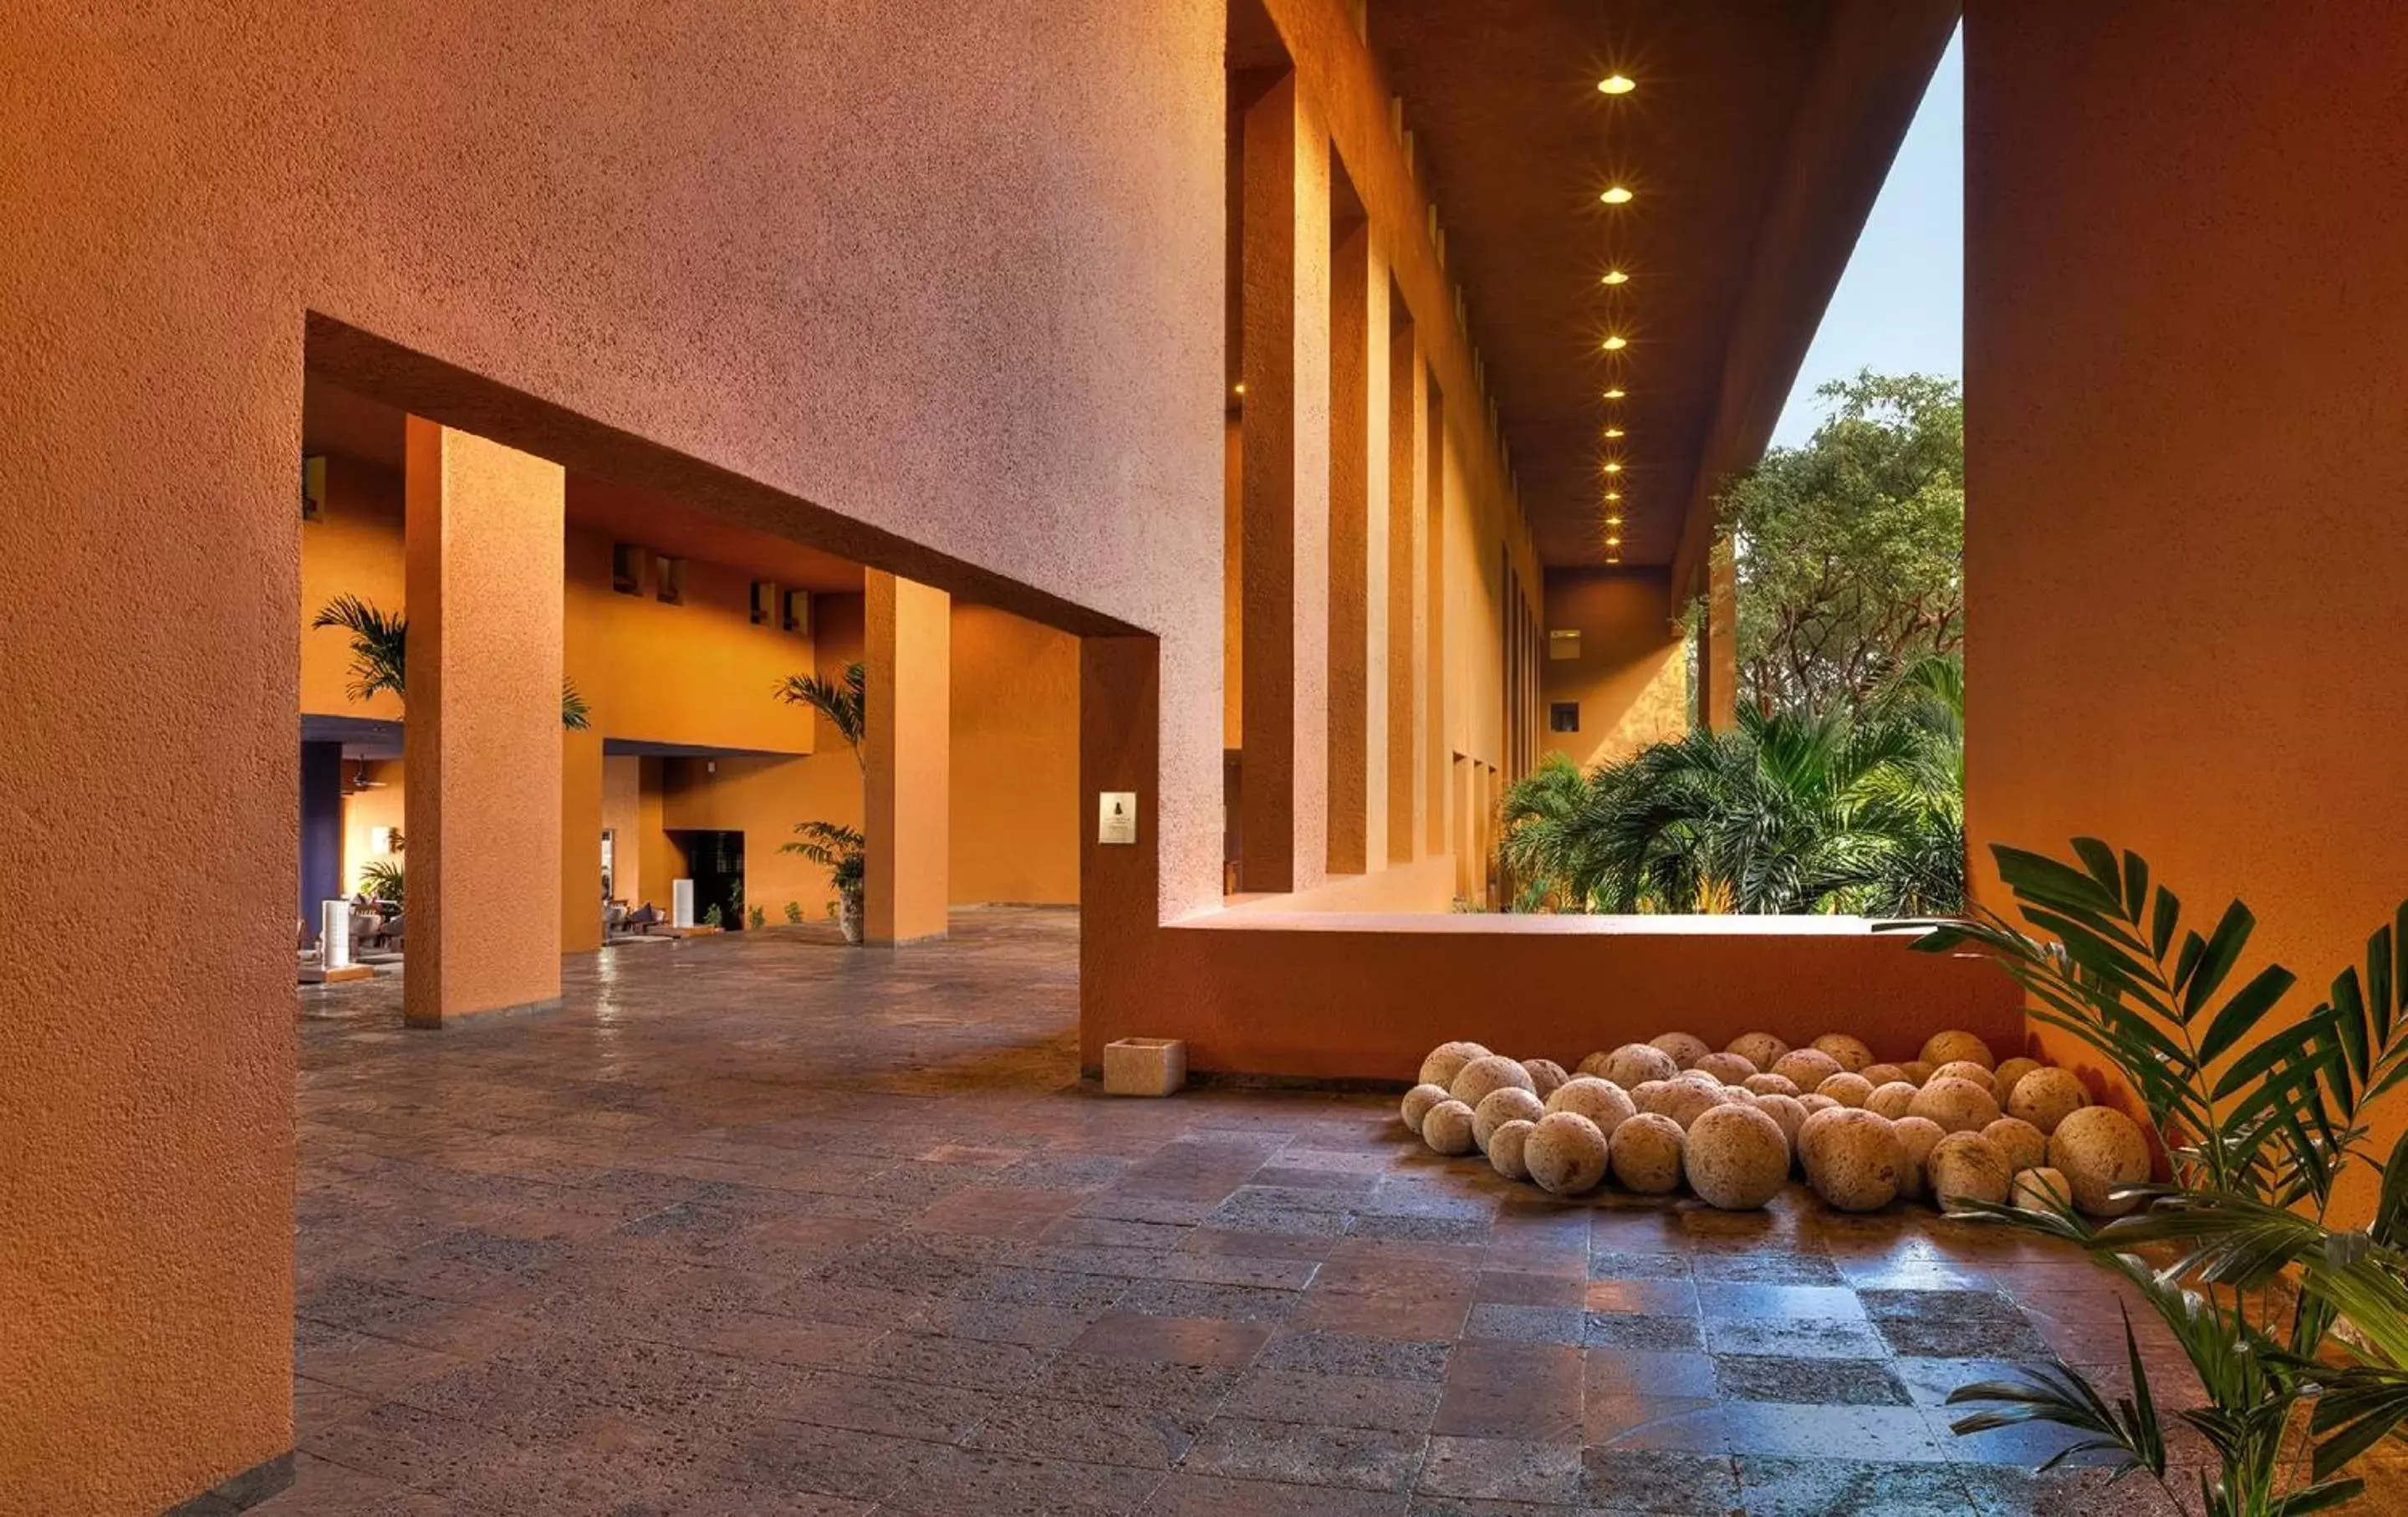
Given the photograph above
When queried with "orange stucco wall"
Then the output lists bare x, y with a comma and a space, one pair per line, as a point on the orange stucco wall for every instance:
365, 810
1631, 677
353, 547
2181, 634
906, 745
1016, 817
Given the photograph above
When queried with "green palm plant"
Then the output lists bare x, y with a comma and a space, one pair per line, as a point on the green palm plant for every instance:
2261, 1111
381, 656
381, 879
843, 702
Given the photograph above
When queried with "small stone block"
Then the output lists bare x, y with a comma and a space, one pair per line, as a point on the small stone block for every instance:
1144, 1067
349, 972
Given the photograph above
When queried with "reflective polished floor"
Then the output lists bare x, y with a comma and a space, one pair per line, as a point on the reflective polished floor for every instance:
763, 1225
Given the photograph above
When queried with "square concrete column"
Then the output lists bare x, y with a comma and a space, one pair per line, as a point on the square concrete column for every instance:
1439, 750
1408, 611
480, 745
907, 754
1359, 554
1284, 781
581, 841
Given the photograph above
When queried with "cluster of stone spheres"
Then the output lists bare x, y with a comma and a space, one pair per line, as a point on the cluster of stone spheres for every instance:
1952, 1125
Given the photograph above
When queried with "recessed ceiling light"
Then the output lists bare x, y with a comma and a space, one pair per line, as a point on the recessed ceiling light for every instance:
1615, 84
1614, 466
1615, 276
1613, 495
1616, 392
1615, 344
1617, 195
1613, 431
1239, 389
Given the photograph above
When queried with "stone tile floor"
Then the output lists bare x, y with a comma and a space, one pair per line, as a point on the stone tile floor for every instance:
762, 1224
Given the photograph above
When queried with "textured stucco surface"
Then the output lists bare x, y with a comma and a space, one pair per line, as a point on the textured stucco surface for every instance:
906, 746
2183, 461
947, 270
1632, 675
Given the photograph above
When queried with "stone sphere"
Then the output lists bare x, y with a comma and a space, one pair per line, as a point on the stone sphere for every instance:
1505, 1148
1852, 1052
1847, 1089
1917, 1071
1729, 1069
1892, 1100
1761, 1050
1917, 1137
1686, 1103
1633, 1064
1417, 1103
1545, 1076
1447, 1060
1814, 1101
1959, 1106
1967, 1069
1770, 1084
2024, 1145
1649, 1095
2042, 1189
1499, 1106
2046, 1096
1785, 1110
1949, 1047
1648, 1151
1703, 1079
1489, 1072
1808, 1066
1886, 1074
1966, 1166
1686, 1048
1810, 1132
1447, 1129
1856, 1162
2003, 1079
2098, 1149
1593, 1064
1737, 1158
1601, 1101
1565, 1154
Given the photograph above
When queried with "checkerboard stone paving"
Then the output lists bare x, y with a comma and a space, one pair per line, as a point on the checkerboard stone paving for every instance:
761, 1225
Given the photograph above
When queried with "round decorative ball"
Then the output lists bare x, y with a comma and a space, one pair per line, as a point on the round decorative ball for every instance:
1891, 1100
1854, 1161
2046, 1096
1685, 1049
2042, 1189
1737, 1158
2003, 1079
1592, 1064
1686, 1103
1852, 1052
1811, 1132
1565, 1153
1808, 1066
1447, 1060
1647, 1155
1729, 1069
1967, 1069
1633, 1064
2024, 1145
1886, 1074
1966, 1166
1949, 1047
1761, 1050
1649, 1095
2098, 1149
1917, 1070
1770, 1084
1545, 1076
1601, 1101
1501, 1106
1489, 1072
1505, 1148
1447, 1129
1917, 1137
1417, 1103
1959, 1106
1785, 1110
1814, 1101
1847, 1089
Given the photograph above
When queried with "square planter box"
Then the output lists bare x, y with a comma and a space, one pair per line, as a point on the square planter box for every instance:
1144, 1067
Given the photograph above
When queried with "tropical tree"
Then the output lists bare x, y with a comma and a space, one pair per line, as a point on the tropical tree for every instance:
843, 702
1842, 810
380, 655
1849, 551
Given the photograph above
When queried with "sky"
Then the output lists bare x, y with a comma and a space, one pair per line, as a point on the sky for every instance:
1900, 305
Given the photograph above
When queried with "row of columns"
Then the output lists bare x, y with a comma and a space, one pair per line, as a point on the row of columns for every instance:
503, 808
1342, 572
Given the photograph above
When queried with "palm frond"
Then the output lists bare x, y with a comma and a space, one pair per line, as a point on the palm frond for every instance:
380, 644
842, 703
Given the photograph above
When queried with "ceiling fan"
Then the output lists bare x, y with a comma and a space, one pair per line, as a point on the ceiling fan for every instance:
360, 780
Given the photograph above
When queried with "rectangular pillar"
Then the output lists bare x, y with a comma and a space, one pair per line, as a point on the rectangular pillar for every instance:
907, 754
1359, 554
1436, 749
321, 828
581, 841
1408, 582
483, 537
1718, 643
1284, 823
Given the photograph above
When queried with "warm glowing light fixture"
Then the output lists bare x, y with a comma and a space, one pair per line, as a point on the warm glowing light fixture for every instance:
1613, 495
1615, 276
1615, 84
1615, 541
1616, 392
1617, 195
1615, 344
1614, 465
1613, 431
1241, 388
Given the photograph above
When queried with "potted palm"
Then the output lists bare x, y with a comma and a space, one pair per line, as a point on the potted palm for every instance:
843, 703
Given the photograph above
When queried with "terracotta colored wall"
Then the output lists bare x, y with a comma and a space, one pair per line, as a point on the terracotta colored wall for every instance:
365, 810
356, 547
1631, 677
2183, 464
907, 744
1015, 810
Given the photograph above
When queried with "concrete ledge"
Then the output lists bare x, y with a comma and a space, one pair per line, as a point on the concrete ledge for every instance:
241, 1492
